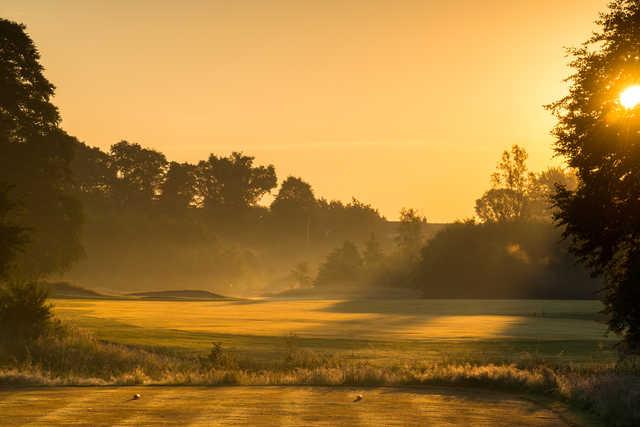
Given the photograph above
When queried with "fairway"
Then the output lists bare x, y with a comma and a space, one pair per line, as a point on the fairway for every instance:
372, 330
284, 406
364, 319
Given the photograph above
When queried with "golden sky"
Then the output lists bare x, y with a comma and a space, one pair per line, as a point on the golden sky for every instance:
398, 103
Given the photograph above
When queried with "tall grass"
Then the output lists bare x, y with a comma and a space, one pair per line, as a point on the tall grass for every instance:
75, 357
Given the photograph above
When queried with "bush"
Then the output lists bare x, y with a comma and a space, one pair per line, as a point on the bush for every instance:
24, 315
219, 358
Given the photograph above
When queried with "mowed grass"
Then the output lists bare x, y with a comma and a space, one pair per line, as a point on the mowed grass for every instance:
378, 331
283, 406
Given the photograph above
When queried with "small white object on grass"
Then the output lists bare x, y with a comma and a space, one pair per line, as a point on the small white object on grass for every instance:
358, 398
136, 396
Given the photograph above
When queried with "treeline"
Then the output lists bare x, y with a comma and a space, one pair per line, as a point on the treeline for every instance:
129, 218
161, 223
511, 249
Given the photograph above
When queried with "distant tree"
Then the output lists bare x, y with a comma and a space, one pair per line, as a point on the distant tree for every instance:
499, 205
139, 173
543, 187
12, 237
511, 171
507, 199
372, 256
410, 232
178, 191
355, 220
293, 207
342, 266
229, 185
500, 260
34, 158
600, 138
93, 175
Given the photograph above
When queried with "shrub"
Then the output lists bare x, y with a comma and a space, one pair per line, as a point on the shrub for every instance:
219, 358
24, 315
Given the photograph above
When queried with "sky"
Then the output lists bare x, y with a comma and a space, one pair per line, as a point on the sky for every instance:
397, 103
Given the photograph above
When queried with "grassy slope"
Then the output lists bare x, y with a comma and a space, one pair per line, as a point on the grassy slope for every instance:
272, 406
381, 332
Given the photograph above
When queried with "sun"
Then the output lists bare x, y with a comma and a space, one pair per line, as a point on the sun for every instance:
630, 97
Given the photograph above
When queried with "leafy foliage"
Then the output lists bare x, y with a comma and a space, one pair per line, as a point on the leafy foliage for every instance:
519, 195
342, 266
501, 260
35, 156
409, 235
601, 140
24, 314
12, 237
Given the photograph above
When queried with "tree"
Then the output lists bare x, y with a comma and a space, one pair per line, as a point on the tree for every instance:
293, 207
500, 260
511, 171
12, 237
600, 137
372, 256
542, 187
25, 109
409, 234
342, 266
139, 173
93, 175
231, 185
499, 205
35, 155
507, 198
179, 188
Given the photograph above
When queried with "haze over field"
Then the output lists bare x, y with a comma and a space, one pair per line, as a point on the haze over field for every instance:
359, 196
396, 103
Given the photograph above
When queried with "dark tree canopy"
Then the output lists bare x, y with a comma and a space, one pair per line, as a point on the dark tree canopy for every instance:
293, 208
295, 198
600, 138
342, 266
519, 195
231, 183
139, 172
178, 190
25, 107
34, 157
12, 237
409, 233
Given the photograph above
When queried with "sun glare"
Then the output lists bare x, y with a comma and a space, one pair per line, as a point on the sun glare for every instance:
630, 97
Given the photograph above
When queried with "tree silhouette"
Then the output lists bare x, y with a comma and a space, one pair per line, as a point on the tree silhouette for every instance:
409, 234
342, 266
139, 173
601, 139
372, 256
25, 109
12, 237
507, 199
179, 188
230, 185
542, 187
93, 176
34, 157
499, 205
293, 208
